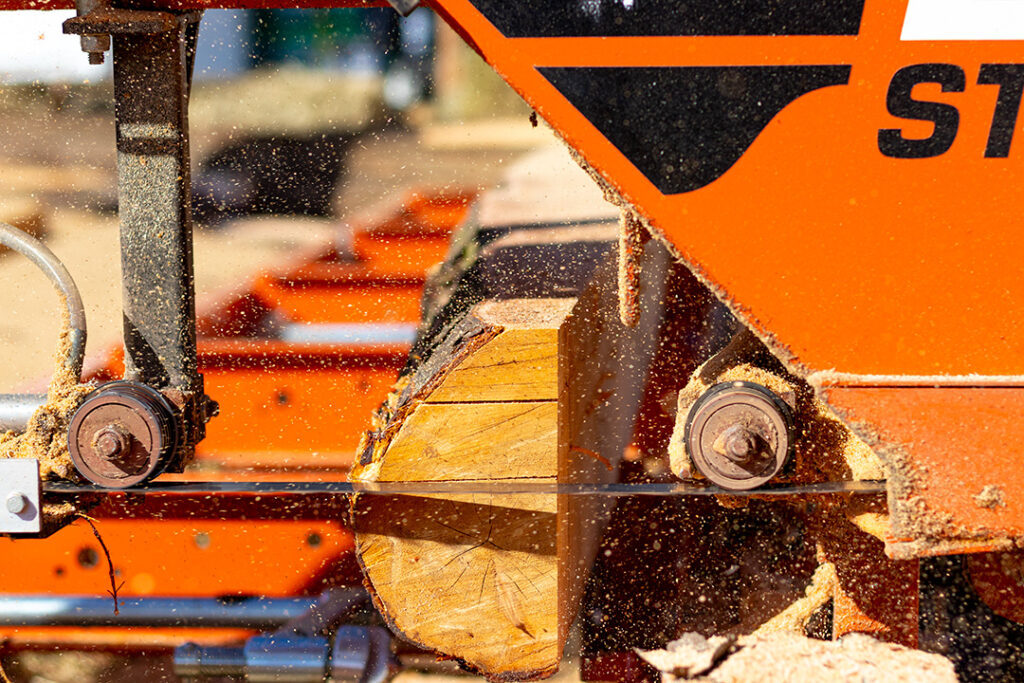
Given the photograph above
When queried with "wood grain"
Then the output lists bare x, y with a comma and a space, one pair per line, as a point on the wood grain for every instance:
519, 390
473, 576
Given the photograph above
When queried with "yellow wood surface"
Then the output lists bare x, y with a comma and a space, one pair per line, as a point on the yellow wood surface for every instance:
474, 576
450, 442
531, 376
519, 364
539, 390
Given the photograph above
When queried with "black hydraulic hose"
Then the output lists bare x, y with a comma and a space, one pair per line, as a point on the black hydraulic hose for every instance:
40, 254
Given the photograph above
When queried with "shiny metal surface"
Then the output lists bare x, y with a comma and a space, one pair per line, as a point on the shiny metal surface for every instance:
286, 659
194, 661
253, 613
453, 487
40, 254
17, 409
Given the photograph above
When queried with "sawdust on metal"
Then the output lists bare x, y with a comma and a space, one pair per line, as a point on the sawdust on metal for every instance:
46, 436
824, 444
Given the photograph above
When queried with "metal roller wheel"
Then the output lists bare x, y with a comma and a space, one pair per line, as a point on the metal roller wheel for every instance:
123, 434
739, 435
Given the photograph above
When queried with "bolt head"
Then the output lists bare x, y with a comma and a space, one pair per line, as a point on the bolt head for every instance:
740, 444
17, 502
110, 443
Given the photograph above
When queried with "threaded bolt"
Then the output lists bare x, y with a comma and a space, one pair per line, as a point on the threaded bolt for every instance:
111, 442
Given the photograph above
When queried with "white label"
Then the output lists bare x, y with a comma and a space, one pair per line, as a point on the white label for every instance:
964, 20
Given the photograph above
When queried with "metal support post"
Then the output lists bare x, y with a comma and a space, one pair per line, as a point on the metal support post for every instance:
152, 76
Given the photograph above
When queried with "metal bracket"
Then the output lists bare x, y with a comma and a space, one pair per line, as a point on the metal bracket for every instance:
153, 55
404, 7
20, 507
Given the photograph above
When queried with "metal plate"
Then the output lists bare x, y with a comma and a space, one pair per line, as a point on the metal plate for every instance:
19, 496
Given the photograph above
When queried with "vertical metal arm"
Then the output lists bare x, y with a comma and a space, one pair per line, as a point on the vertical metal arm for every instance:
127, 432
151, 99
152, 75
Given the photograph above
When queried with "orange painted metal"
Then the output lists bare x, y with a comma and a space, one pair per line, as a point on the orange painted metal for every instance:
413, 239
163, 557
361, 299
946, 446
289, 405
848, 259
998, 578
876, 595
845, 259
174, 557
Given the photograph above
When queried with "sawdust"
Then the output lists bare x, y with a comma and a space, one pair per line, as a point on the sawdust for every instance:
631, 245
689, 656
797, 659
794, 619
824, 446
990, 497
872, 523
46, 436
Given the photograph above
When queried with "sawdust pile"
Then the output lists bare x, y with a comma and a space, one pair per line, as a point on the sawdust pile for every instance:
795, 659
823, 442
46, 436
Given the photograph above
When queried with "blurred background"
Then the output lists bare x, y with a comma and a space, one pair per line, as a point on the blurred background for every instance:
299, 119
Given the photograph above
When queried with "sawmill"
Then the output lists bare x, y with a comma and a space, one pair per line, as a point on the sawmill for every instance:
715, 379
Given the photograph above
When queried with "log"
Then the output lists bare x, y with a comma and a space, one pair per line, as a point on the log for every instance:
472, 575
543, 192
539, 390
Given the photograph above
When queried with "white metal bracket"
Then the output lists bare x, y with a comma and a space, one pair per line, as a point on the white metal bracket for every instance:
20, 507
